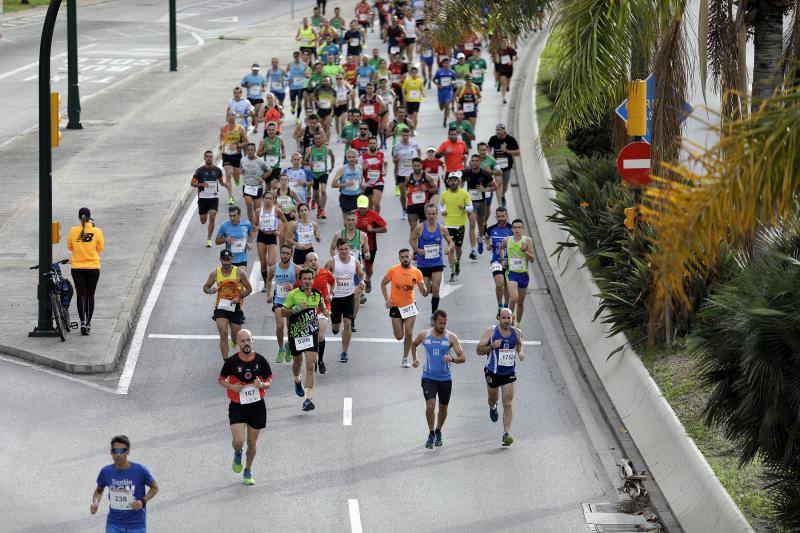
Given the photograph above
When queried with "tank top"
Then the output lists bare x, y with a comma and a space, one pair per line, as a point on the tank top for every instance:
502, 361
431, 243
352, 174
231, 138
272, 152
344, 274
370, 108
319, 160
304, 234
355, 243
517, 260
285, 202
228, 287
285, 281
417, 191
297, 75
267, 220
308, 136
436, 348
276, 77
307, 37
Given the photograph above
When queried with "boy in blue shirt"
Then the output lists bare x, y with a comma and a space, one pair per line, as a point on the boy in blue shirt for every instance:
444, 79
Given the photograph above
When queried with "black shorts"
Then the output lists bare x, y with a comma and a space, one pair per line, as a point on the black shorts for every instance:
353, 50
342, 307
399, 180
274, 176
372, 124
427, 272
505, 70
412, 107
494, 380
347, 202
431, 388
234, 317
322, 178
266, 238
255, 101
322, 113
204, 205
299, 256
235, 160
368, 190
257, 196
408, 41
314, 347
340, 110
398, 92
296, 93
457, 234
252, 414
416, 209
394, 312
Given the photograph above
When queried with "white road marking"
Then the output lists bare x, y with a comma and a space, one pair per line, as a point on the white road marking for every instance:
186, 27
355, 516
26, 67
635, 163
256, 281
117, 32
152, 298
347, 412
327, 339
446, 289
232, 20
56, 373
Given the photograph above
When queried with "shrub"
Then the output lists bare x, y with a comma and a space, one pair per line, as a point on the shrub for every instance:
592, 140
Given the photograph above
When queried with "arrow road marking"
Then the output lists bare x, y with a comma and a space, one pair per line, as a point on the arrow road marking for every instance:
355, 516
347, 412
446, 289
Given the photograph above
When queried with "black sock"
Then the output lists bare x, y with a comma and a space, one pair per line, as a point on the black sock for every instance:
434, 304
431, 432
321, 351
264, 275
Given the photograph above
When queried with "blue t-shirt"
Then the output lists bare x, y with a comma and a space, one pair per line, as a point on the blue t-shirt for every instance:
276, 80
436, 368
125, 486
351, 174
329, 50
497, 234
255, 85
445, 73
239, 232
297, 75
298, 179
364, 75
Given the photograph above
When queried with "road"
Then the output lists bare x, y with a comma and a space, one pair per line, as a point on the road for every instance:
314, 472
116, 39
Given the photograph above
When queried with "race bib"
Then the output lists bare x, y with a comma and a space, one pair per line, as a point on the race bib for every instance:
355, 41
255, 90
458, 84
477, 72
211, 190
373, 175
505, 60
363, 81
304, 237
267, 222
341, 96
475, 194
318, 166
496, 267
226, 305
445, 82
121, 498
272, 160
395, 79
344, 287
506, 357
469, 46
502, 162
281, 291
408, 310
431, 251
325, 104
252, 190
406, 164
230, 149
414, 94
394, 50
427, 53
303, 343
298, 80
277, 86
516, 263
239, 246
249, 395
369, 110
468, 107
363, 17
285, 203
418, 198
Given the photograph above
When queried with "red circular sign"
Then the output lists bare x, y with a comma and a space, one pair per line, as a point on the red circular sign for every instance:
633, 163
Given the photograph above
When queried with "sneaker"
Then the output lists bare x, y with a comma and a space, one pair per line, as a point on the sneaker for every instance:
403, 216
88, 328
353, 328
233, 343
368, 286
298, 389
397, 191
313, 205
343, 357
230, 200
473, 255
308, 405
493, 416
363, 299
322, 369
247, 477
480, 247
405, 363
83, 329
237, 183
429, 442
279, 357
452, 277
321, 214
264, 288
237, 463
208, 243
438, 441
507, 440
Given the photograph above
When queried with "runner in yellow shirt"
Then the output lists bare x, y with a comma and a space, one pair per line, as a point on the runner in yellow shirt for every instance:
456, 203
413, 92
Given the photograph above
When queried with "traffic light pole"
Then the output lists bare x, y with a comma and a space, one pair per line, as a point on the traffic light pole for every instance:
73, 93
173, 38
44, 327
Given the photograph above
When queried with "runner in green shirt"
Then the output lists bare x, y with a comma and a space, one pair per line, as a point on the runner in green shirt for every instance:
316, 158
350, 129
464, 127
477, 67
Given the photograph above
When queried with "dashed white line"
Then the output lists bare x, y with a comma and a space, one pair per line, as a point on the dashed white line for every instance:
327, 339
347, 412
355, 516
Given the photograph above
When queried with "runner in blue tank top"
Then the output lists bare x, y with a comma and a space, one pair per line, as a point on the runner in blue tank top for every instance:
494, 237
284, 275
436, 377
426, 241
502, 344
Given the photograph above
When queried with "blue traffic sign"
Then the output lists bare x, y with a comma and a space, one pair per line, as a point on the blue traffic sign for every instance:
622, 109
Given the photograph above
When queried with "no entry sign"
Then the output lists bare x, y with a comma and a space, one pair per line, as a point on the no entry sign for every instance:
633, 163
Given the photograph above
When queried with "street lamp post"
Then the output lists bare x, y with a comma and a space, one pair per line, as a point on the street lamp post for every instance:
73, 93
173, 38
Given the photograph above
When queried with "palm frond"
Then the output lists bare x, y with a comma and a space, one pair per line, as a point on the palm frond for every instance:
455, 19
727, 38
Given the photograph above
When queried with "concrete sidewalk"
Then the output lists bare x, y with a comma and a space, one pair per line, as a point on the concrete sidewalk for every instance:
131, 165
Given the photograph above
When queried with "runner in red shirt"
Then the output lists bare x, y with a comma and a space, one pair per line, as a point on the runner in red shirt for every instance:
364, 14
350, 76
433, 166
371, 223
374, 165
454, 152
323, 282
361, 143
371, 107
397, 72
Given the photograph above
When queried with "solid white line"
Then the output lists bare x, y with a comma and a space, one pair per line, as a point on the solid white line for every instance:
635, 163
56, 373
26, 67
355, 516
327, 339
152, 298
255, 276
347, 412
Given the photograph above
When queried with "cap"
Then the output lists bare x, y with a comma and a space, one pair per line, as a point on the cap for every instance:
500, 126
362, 201
457, 174
461, 56
255, 66
225, 254
84, 211
430, 149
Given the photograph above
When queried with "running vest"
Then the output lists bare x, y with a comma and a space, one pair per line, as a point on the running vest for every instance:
297, 181
517, 260
344, 274
436, 348
285, 202
304, 234
502, 361
307, 39
231, 138
431, 244
308, 136
355, 243
276, 77
272, 152
284, 282
352, 174
417, 191
228, 287
267, 220
319, 160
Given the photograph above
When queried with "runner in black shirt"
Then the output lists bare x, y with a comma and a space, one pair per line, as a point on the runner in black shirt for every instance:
208, 179
504, 149
479, 186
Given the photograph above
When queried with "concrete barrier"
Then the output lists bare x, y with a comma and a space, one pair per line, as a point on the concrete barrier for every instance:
693, 491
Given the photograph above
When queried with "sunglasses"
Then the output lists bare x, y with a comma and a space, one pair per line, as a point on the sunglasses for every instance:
119, 451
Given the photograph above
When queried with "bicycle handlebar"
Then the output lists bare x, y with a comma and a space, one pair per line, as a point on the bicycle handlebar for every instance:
62, 262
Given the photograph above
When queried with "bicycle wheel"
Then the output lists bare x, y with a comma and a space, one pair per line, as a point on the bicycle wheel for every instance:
66, 319
58, 316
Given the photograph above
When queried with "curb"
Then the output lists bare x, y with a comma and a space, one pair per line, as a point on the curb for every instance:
685, 492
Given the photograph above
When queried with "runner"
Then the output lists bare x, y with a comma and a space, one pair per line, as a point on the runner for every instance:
394, 36
350, 181
232, 287
271, 148
504, 149
426, 54
409, 35
284, 275
444, 79
242, 107
361, 143
359, 248
300, 234
371, 223
276, 76
254, 174
301, 306
464, 127
371, 107
246, 375
272, 114
354, 38
255, 84
504, 65
468, 97
365, 73
418, 186
236, 235
402, 308
456, 203
288, 200
364, 15
347, 272
426, 241
502, 344
305, 136
316, 158
324, 99
232, 137
413, 93
461, 68
403, 154
434, 167
477, 67
516, 253
437, 379
343, 92
300, 178
324, 283
479, 184
489, 164
398, 125
126, 481
454, 152
270, 220
494, 236
297, 73
398, 69
351, 77
307, 37
374, 165
207, 180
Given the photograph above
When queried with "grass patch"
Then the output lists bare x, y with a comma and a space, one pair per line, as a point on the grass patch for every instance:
12, 6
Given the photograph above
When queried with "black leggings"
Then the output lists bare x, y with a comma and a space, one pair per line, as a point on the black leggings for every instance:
85, 280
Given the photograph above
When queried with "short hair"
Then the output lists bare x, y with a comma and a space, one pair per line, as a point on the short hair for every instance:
121, 439
482, 144
416, 160
439, 313
431, 206
517, 221
476, 156
235, 208
306, 271
500, 209
248, 145
208, 152
404, 250
313, 116
373, 138
349, 214
340, 241
287, 246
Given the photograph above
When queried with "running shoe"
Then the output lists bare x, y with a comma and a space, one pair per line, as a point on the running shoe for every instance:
353, 328
208, 243
458, 268
322, 369
298, 389
397, 190
88, 328
368, 286
264, 288
452, 277
429, 442
405, 363
473, 255
507, 440
403, 216
308, 405
480, 247
321, 214
83, 328
237, 183
279, 357
438, 441
247, 477
363, 299
230, 200
343, 357
493, 416
313, 205
237, 462
233, 343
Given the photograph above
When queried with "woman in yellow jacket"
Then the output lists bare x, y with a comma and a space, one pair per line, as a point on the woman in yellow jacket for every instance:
85, 241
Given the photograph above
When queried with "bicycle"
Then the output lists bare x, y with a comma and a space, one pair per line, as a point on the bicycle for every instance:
60, 292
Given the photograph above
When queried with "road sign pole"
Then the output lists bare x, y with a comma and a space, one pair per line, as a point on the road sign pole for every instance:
44, 325
173, 38
73, 93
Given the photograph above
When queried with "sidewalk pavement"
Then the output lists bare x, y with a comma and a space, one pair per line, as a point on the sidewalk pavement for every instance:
131, 165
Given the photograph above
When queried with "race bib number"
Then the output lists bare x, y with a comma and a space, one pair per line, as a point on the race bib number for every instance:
363, 81
468, 107
239, 246
475, 194
249, 395
469, 46
506, 357
230, 149
268, 222
373, 175
318, 166
394, 50
255, 90
298, 80
325, 104
369, 110
414, 94
477, 72
211, 190
252, 190
418, 197
277, 86
395, 79
431, 251
226, 305
281, 291
272, 160
427, 53
304, 237
406, 164
408, 310
496, 267
516, 263
445, 82
121, 498
344, 287
355, 41
505, 60
502, 162
285, 203
303, 343
363, 17
341, 96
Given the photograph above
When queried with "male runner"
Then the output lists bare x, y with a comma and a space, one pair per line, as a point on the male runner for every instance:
317, 157
359, 248
456, 203
277, 80
516, 252
479, 184
232, 138
437, 380
271, 148
207, 180
350, 181
403, 154
444, 79
402, 308
370, 222
504, 149
255, 171
426, 241
246, 375
494, 236
454, 151
324, 283
374, 164
241, 107
284, 275
413, 93
232, 287
346, 271
236, 234
502, 344
255, 84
